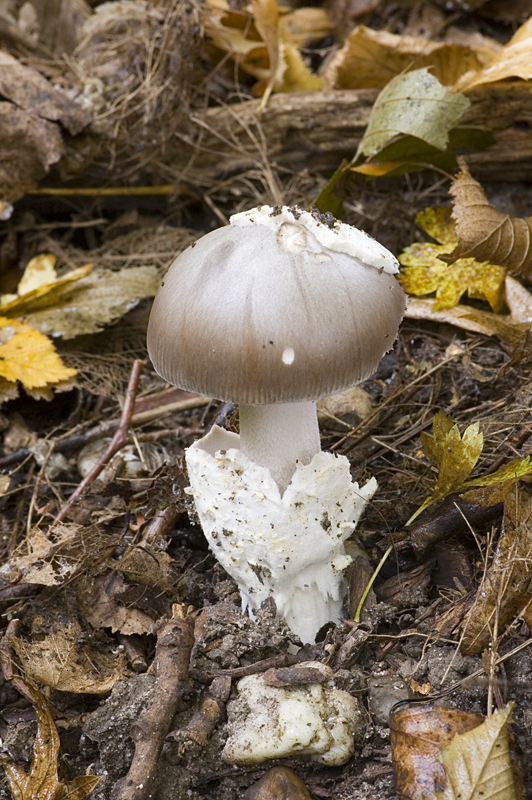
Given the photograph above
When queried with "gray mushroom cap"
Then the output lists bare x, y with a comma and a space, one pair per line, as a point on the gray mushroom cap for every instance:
282, 305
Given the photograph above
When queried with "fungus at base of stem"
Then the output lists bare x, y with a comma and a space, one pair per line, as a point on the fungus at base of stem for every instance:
288, 547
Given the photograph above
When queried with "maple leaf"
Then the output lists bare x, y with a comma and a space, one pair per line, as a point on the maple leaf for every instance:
29, 357
43, 781
424, 272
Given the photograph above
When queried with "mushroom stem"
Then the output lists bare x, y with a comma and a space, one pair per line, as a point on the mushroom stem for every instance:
278, 436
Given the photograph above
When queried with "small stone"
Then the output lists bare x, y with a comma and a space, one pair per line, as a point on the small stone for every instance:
279, 783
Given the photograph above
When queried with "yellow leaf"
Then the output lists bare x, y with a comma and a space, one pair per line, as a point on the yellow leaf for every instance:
39, 272
45, 295
297, 77
43, 781
478, 763
424, 272
513, 61
29, 357
377, 169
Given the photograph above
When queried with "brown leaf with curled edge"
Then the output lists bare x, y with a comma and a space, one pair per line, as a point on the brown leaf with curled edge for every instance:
497, 600
42, 782
278, 782
513, 61
418, 735
478, 764
484, 232
369, 59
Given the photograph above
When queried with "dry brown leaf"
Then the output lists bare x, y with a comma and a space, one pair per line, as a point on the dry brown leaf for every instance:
265, 44
513, 334
484, 232
29, 145
50, 559
513, 61
104, 603
266, 16
31, 91
478, 764
418, 735
61, 659
278, 782
518, 300
42, 782
507, 576
369, 59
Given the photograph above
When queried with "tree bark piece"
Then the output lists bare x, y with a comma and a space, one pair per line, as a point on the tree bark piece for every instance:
315, 130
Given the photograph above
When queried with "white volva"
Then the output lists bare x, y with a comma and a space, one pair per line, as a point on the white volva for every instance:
288, 547
313, 719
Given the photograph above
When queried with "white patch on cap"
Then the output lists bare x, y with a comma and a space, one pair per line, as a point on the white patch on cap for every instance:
288, 355
339, 237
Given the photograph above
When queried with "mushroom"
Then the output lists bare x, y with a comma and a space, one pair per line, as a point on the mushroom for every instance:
276, 310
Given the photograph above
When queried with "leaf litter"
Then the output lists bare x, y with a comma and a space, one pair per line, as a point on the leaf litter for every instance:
122, 578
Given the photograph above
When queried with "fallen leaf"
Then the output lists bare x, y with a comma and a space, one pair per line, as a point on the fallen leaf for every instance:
47, 293
413, 104
369, 59
508, 573
265, 43
279, 783
518, 300
484, 232
31, 91
61, 659
40, 271
513, 61
304, 25
29, 357
46, 559
266, 16
455, 455
43, 782
106, 602
425, 272
418, 735
410, 126
514, 335
78, 305
297, 77
477, 762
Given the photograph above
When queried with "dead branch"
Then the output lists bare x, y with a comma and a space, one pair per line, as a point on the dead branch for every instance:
175, 639
117, 442
6, 659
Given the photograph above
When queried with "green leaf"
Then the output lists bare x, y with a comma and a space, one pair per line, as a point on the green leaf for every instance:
327, 199
456, 456
414, 104
509, 472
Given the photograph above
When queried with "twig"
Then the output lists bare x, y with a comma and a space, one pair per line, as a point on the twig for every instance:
118, 440
6, 659
175, 638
